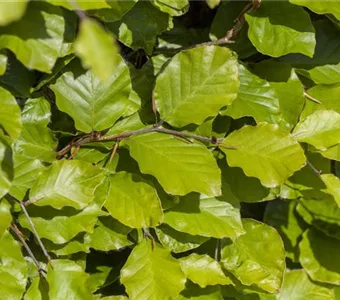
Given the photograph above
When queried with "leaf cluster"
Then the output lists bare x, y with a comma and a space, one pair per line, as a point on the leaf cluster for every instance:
155, 150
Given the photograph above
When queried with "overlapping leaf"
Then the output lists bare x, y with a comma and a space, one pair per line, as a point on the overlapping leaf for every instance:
203, 270
42, 35
132, 201
130, 32
265, 152
143, 277
68, 280
96, 48
172, 7
6, 163
319, 256
60, 227
13, 271
10, 120
280, 28
244, 256
179, 167
255, 98
321, 7
11, 11
93, 98
320, 129
66, 183
206, 216
196, 84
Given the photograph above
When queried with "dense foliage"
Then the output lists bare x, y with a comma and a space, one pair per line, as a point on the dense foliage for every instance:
169, 150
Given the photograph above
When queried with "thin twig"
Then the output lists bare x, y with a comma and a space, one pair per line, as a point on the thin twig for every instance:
34, 230
309, 97
81, 14
127, 134
114, 150
315, 170
20, 236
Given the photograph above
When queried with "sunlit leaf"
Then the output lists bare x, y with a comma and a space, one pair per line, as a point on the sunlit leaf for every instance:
10, 120
196, 84
92, 97
203, 270
280, 28
97, 49
265, 152
61, 226
11, 11
319, 256
6, 166
41, 36
244, 256
66, 183
255, 98
67, 280
13, 271
179, 167
320, 129
142, 270
206, 216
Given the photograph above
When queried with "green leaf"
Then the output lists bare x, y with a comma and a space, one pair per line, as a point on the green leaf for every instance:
265, 152
244, 256
204, 216
13, 271
36, 290
320, 129
6, 166
280, 28
11, 11
92, 97
132, 201
43, 29
289, 90
17, 79
172, 7
66, 183
144, 279
3, 64
213, 3
10, 114
298, 286
324, 66
237, 180
194, 292
178, 241
321, 7
81, 4
327, 95
108, 235
96, 48
282, 216
319, 256
203, 270
333, 186
26, 171
67, 280
36, 140
184, 167
183, 98
255, 98
321, 211
116, 11
129, 31
61, 226
75, 245
5, 216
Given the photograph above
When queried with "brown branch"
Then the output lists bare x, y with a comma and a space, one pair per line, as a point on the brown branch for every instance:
20, 236
34, 230
157, 128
